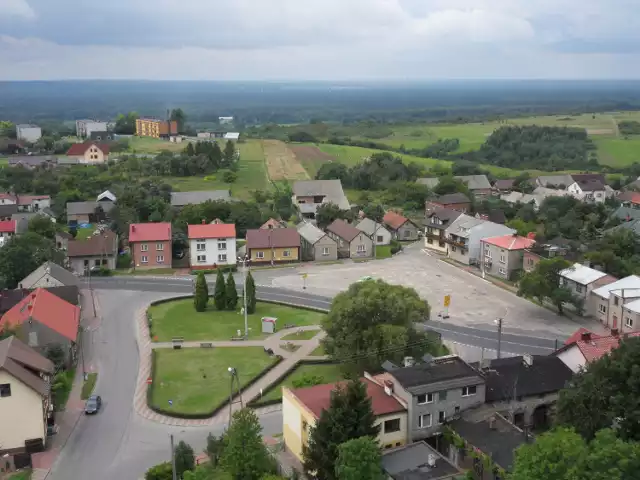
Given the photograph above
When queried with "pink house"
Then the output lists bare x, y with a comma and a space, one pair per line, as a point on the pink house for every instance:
150, 245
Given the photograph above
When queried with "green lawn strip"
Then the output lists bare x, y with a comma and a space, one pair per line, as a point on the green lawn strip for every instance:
197, 380
65, 380
178, 318
319, 351
23, 475
88, 385
326, 372
303, 335
383, 251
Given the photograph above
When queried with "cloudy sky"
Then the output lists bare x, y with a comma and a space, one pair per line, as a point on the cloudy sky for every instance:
319, 39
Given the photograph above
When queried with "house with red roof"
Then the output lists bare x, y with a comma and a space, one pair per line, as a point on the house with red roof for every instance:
212, 245
502, 256
7, 228
42, 319
89, 152
150, 245
302, 407
401, 227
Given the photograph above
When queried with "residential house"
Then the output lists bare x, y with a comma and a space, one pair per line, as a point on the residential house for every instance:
25, 397
478, 185
89, 152
581, 280
23, 219
630, 199
376, 231
62, 240
454, 201
418, 461
494, 215
278, 245
180, 199
99, 250
155, 128
514, 198
7, 229
150, 245
48, 275
539, 251
316, 245
42, 319
308, 195
102, 136
28, 133
25, 203
6, 211
585, 346
560, 182
32, 161
212, 245
273, 223
302, 407
502, 256
84, 128
436, 223
588, 189
352, 243
106, 196
607, 301
79, 213
627, 214
464, 234
401, 227
435, 391
503, 185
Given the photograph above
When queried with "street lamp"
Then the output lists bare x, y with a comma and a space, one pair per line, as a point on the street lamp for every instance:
233, 374
498, 322
244, 260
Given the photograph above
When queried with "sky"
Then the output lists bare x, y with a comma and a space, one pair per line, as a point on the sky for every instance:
319, 39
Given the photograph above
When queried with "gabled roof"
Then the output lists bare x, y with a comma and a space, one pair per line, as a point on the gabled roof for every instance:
475, 182
631, 197
318, 398
88, 208
631, 282
81, 148
588, 177
504, 183
96, 245
179, 199
593, 185
510, 242
20, 360
273, 223
47, 309
555, 180
438, 369
212, 230
310, 232
343, 230
29, 199
370, 227
462, 225
394, 220
106, 195
582, 274
446, 215
150, 232
452, 198
593, 346
8, 226
276, 238
330, 189
52, 269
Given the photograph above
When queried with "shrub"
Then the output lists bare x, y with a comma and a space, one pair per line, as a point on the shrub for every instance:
229, 177
308, 381
396, 246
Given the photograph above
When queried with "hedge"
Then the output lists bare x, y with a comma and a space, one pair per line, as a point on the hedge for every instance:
207, 271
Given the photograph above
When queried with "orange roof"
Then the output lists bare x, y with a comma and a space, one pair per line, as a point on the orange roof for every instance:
47, 309
593, 346
510, 242
318, 398
394, 220
8, 226
149, 232
212, 230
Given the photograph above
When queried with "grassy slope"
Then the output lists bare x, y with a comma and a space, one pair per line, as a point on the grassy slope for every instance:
329, 373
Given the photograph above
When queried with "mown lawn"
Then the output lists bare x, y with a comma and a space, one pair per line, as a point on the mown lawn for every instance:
618, 152
23, 475
326, 373
319, 350
383, 251
153, 145
197, 380
179, 319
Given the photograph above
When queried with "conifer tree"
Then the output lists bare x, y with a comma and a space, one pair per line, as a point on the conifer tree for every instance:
201, 294
220, 295
231, 293
251, 294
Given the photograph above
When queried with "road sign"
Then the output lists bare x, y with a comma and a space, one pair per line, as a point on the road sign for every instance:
305, 275
149, 380
447, 300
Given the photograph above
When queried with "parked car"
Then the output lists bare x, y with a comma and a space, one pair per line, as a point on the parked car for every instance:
93, 405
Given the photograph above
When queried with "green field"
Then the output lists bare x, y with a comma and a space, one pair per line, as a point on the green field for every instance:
153, 145
180, 319
618, 152
351, 156
197, 380
327, 373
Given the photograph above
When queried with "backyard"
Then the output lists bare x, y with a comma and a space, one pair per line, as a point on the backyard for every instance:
196, 380
178, 318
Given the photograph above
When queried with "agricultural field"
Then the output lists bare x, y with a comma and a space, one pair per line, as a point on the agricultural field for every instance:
281, 162
351, 156
153, 145
311, 157
618, 152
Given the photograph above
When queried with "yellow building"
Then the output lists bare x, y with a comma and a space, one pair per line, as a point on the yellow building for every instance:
301, 408
152, 127
282, 245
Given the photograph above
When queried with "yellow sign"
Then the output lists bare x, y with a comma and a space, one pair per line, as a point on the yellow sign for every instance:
447, 300
305, 275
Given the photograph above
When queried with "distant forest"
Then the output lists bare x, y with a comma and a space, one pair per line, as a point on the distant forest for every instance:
255, 103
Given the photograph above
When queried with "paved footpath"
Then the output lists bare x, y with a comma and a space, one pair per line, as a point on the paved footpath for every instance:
145, 346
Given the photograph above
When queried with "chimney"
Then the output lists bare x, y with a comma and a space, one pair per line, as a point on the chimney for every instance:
585, 336
204, 222
431, 460
388, 387
492, 423
133, 228
408, 362
615, 332
527, 359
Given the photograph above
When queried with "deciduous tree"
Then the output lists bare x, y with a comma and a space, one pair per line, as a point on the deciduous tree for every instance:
185, 458
245, 455
359, 459
231, 293
22, 255
220, 295
327, 213
543, 284
201, 295
162, 471
229, 154
43, 226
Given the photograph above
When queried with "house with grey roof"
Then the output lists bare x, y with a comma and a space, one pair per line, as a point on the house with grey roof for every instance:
180, 199
32, 161
352, 243
88, 212
376, 231
308, 195
478, 185
464, 237
316, 245
555, 181
418, 461
48, 275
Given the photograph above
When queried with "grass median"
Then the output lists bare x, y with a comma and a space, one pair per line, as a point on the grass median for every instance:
88, 385
179, 318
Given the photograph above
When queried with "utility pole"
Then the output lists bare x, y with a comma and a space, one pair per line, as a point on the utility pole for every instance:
499, 322
233, 374
173, 459
244, 261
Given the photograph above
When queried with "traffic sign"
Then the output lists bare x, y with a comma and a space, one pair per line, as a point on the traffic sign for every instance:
149, 380
447, 300
305, 275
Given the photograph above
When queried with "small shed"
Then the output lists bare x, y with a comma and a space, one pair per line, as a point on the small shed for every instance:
269, 324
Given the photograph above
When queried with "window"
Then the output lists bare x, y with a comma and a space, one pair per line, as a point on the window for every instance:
362, 248
424, 421
159, 246
502, 259
442, 396
86, 263
468, 391
201, 245
202, 258
160, 259
96, 262
5, 390
379, 239
602, 308
104, 261
615, 300
259, 254
144, 259
453, 248
578, 288
628, 322
487, 253
502, 271
530, 261
391, 426
222, 257
325, 251
457, 409
406, 233
425, 398
144, 247
442, 416
286, 253
222, 245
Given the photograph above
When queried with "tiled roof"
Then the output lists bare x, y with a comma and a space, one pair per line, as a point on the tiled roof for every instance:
212, 230
475, 182
318, 398
582, 274
394, 220
438, 369
276, 238
28, 199
49, 310
81, 148
627, 213
96, 245
20, 361
446, 215
8, 226
88, 208
510, 242
149, 232
504, 183
632, 197
370, 227
452, 198
273, 223
343, 230
595, 346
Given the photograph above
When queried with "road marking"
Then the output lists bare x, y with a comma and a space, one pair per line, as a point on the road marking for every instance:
438, 329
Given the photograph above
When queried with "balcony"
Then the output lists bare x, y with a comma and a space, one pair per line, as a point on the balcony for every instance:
458, 242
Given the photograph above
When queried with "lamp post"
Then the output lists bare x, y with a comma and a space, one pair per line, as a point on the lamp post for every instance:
498, 322
244, 261
233, 374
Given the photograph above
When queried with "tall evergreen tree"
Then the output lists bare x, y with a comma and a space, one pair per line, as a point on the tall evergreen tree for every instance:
229, 153
185, 458
231, 293
251, 294
349, 416
201, 294
220, 294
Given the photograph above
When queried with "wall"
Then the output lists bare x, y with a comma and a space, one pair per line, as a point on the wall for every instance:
329, 243
430, 240
572, 357
44, 336
29, 134
460, 254
22, 414
81, 218
212, 252
342, 246
152, 254
384, 234
294, 416
361, 239
39, 204
530, 260
278, 254
633, 317
407, 232
92, 155
77, 264
498, 267
482, 231
392, 439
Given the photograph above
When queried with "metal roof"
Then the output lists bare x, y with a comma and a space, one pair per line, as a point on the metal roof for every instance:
582, 274
630, 282
310, 232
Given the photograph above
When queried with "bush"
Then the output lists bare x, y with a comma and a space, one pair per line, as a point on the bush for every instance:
124, 261
308, 381
229, 177
396, 246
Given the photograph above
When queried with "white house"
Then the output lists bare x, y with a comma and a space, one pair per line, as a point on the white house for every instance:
28, 133
212, 245
376, 231
581, 280
588, 190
